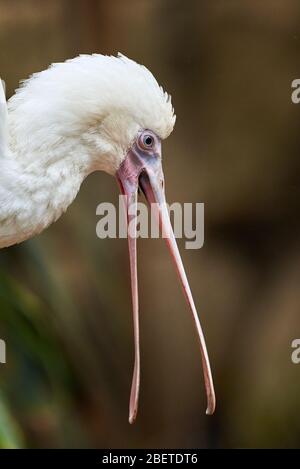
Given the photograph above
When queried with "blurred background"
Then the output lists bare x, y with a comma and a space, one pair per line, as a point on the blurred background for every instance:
65, 305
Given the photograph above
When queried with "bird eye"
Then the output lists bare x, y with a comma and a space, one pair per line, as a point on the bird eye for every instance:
147, 141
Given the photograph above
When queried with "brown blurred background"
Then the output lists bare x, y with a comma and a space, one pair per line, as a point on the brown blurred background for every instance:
65, 307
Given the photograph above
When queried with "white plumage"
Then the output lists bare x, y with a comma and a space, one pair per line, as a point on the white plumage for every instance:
3, 120
65, 122
87, 114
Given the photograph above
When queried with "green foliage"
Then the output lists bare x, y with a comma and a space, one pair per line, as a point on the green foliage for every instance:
10, 434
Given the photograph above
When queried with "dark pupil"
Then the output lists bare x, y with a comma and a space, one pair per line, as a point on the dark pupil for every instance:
148, 140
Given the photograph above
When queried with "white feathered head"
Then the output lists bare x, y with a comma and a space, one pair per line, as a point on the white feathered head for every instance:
95, 101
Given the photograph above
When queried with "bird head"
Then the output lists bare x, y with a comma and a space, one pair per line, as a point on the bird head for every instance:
105, 113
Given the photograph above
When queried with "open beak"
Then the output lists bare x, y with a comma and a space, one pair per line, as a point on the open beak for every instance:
142, 169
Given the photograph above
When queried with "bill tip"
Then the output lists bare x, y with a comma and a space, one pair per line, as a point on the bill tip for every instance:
131, 420
132, 417
210, 409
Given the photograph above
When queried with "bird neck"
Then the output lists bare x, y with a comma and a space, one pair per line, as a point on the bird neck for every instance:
34, 194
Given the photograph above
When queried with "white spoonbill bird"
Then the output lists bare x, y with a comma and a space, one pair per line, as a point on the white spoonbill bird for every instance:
89, 113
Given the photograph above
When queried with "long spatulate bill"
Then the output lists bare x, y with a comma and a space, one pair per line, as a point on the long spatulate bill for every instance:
155, 195
142, 168
130, 202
